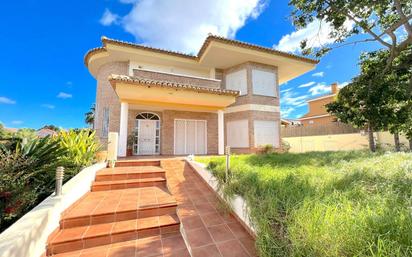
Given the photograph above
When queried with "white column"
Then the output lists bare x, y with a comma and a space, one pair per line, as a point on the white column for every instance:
221, 132
124, 113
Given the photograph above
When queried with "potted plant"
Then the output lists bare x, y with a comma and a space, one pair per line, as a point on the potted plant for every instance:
130, 142
112, 163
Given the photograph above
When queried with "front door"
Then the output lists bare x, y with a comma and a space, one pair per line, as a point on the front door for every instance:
147, 137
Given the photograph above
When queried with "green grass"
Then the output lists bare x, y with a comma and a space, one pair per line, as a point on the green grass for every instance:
325, 203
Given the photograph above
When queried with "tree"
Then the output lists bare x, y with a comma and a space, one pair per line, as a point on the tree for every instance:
89, 116
372, 101
51, 127
380, 20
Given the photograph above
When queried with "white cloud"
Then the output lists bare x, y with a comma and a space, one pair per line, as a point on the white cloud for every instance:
49, 106
128, 1
317, 34
64, 95
183, 25
285, 90
307, 84
318, 74
286, 112
320, 88
289, 98
109, 18
343, 84
17, 122
5, 100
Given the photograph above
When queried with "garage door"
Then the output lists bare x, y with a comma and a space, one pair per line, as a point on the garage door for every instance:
190, 137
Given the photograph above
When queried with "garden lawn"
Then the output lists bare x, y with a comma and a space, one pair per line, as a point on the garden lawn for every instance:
325, 203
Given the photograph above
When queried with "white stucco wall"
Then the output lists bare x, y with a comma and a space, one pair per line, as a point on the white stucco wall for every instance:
27, 237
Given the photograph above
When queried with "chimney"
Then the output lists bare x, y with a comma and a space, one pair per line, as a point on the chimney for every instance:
334, 88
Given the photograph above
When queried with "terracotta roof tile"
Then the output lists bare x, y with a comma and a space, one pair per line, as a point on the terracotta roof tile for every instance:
167, 84
208, 40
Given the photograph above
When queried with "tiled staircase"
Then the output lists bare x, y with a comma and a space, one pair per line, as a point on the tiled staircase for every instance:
125, 203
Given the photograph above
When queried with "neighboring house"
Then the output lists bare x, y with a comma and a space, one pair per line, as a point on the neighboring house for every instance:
288, 122
11, 130
171, 103
44, 132
317, 113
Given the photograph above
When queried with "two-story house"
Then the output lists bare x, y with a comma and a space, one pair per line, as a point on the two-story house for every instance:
317, 113
171, 103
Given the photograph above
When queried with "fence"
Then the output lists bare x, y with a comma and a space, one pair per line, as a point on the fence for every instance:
318, 130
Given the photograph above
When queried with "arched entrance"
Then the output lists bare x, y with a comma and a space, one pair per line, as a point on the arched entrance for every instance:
147, 134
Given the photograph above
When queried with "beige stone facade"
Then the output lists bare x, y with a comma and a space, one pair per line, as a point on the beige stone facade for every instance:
251, 116
250, 98
167, 121
107, 98
177, 91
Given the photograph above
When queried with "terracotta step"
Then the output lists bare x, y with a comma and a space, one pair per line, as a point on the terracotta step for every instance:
123, 173
137, 163
77, 238
127, 183
118, 205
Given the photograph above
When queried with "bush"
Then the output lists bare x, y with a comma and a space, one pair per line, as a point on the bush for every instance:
27, 172
325, 203
26, 175
81, 146
285, 146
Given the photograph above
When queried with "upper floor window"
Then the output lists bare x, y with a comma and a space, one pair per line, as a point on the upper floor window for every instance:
264, 83
237, 81
105, 122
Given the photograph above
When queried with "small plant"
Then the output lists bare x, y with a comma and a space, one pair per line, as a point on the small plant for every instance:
130, 142
285, 146
112, 163
266, 149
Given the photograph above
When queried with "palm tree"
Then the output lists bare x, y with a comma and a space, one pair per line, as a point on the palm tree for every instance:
89, 116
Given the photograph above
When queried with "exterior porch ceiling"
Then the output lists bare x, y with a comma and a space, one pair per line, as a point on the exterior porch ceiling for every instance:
170, 95
223, 56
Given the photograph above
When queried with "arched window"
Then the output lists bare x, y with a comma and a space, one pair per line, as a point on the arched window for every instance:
147, 116
146, 143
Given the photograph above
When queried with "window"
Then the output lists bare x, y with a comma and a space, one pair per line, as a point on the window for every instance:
311, 122
147, 116
266, 133
190, 137
105, 122
237, 81
264, 83
237, 133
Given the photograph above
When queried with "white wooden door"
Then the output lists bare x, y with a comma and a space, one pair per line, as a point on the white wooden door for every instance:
190, 137
147, 136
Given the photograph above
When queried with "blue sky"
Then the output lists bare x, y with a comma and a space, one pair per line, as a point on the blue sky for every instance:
43, 79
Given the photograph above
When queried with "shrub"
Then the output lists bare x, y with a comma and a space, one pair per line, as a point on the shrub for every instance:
266, 149
26, 175
27, 172
285, 146
81, 146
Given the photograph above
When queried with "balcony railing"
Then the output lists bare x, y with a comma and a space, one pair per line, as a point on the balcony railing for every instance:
184, 79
